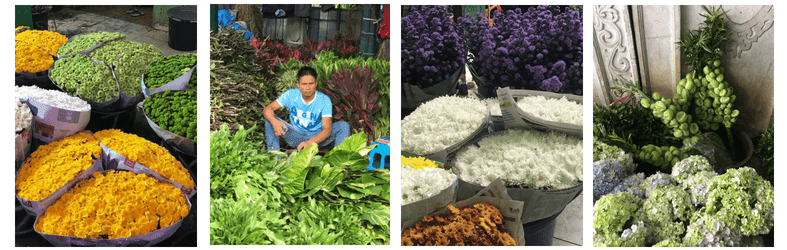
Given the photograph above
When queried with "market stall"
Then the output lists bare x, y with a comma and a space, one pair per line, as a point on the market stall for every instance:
678, 143
326, 192
85, 129
459, 146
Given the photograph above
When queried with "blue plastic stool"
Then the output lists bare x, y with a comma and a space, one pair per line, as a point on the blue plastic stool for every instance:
380, 156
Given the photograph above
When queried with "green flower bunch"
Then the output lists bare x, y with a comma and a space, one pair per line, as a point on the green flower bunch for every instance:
130, 67
82, 77
168, 68
174, 111
84, 42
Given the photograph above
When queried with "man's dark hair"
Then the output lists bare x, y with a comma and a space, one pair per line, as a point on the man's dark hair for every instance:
307, 71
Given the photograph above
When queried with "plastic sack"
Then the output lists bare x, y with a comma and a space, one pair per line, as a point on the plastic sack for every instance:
413, 96
52, 124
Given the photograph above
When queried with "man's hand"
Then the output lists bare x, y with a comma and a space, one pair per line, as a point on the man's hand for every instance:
278, 128
305, 144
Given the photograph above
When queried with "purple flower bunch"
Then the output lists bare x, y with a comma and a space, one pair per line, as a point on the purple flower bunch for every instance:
432, 46
540, 49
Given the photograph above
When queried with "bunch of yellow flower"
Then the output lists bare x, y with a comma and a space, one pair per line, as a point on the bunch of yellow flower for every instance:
48, 40
418, 163
115, 204
30, 58
51, 166
149, 154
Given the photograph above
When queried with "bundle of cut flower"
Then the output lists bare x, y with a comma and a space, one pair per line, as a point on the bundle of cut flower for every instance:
440, 123
54, 98
52, 165
481, 225
23, 116
523, 159
115, 204
149, 154
422, 178
550, 109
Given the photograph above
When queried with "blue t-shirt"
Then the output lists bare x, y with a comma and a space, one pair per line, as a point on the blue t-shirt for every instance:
306, 116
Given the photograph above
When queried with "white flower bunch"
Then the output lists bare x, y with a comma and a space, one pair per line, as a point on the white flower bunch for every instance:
440, 123
23, 116
52, 98
556, 110
524, 158
423, 183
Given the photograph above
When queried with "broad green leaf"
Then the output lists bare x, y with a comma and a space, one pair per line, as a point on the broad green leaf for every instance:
298, 171
379, 217
350, 194
274, 238
354, 143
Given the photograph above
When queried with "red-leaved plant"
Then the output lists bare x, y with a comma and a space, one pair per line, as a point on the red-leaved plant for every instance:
355, 98
271, 53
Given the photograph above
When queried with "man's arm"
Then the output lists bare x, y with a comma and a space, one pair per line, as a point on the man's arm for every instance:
327, 127
268, 113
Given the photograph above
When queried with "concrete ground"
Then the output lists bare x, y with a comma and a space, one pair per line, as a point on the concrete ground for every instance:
71, 22
568, 227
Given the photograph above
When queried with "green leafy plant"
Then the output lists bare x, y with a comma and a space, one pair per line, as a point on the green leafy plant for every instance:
764, 150
303, 198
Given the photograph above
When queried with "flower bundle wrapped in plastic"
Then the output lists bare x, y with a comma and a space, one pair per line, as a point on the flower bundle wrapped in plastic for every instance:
84, 42
550, 109
47, 40
23, 116
54, 98
481, 225
149, 154
82, 77
432, 47
441, 123
30, 58
52, 165
423, 179
538, 49
115, 204
523, 158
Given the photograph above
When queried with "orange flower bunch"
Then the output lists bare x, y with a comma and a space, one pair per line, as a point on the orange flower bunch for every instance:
51, 166
30, 58
115, 204
146, 153
481, 225
48, 40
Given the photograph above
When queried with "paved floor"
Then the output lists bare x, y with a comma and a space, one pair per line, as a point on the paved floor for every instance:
70, 22
568, 228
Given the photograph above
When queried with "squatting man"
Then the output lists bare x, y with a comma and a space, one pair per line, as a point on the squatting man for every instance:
310, 114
